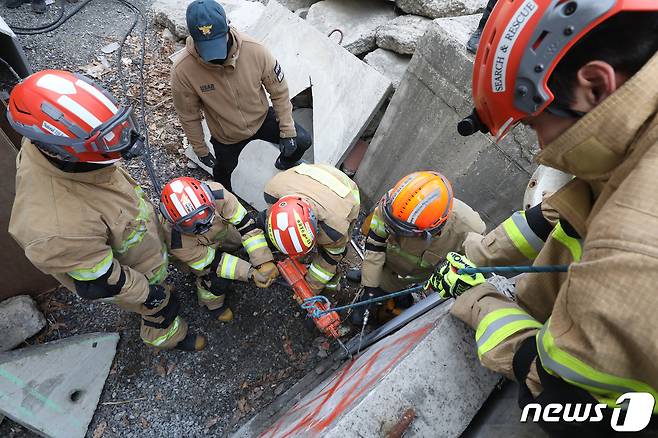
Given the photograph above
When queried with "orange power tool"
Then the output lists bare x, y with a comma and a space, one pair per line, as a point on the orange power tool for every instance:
295, 273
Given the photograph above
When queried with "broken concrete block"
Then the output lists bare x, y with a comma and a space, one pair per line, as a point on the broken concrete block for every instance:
171, 14
402, 34
357, 20
430, 365
434, 95
19, 319
441, 8
295, 5
390, 64
53, 389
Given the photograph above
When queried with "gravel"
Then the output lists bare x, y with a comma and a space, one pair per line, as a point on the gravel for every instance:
168, 393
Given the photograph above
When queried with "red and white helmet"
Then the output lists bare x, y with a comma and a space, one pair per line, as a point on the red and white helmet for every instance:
292, 226
69, 116
522, 43
188, 204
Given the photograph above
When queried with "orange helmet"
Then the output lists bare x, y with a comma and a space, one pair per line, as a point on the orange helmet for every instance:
188, 204
70, 117
418, 205
292, 226
522, 43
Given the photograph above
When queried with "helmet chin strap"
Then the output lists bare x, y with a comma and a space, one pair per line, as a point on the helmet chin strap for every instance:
560, 110
71, 166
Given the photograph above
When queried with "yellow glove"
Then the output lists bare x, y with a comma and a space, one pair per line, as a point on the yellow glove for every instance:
447, 282
265, 274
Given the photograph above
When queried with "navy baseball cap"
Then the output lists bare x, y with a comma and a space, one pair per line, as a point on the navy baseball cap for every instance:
208, 26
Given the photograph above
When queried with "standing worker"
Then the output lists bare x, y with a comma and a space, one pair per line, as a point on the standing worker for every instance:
78, 215
412, 229
309, 204
224, 74
582, 75
201, 219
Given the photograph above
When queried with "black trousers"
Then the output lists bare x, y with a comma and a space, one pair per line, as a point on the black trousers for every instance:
227, 155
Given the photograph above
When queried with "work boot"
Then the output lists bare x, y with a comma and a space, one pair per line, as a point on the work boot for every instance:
283, 164
354, 275
474, 41
13, 4
192, 342
223, 314
38, 6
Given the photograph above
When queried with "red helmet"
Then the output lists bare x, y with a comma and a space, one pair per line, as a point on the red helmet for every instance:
292, 226
521, 45
419, 204
188, 204
69, 116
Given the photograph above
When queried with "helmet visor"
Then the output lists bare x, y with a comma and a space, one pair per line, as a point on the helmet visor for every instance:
198, 221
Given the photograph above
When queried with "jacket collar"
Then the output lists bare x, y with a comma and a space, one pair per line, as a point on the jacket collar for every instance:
231, 59
595, 146
30, 152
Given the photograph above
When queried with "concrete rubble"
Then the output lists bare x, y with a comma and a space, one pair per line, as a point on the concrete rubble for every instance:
390, 64
19, 320
430, 366
402, 34
53, 389
357, 20
295, 5
441, 8
435, 94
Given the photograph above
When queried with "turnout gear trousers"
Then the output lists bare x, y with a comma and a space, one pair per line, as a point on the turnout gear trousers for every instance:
96, 230
594, 326
395, 262
231, 96
231, 228
335, 200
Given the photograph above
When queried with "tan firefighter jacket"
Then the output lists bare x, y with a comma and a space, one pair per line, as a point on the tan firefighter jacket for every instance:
231, 96
334, 198
517, 241
79, 225
595, 326
230, 224
393, 262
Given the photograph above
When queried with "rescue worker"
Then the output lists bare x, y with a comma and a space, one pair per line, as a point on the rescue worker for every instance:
78, 215
309, 204
582, 74
200, 220
223, 74
413, 227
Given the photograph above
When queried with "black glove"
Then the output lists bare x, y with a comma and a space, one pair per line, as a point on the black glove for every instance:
157, 294
287, 146
358, 314
208, 160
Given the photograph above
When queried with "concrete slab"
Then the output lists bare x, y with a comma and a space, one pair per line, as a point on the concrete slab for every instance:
402, 34
441, 8
419, 131
295, 5
358, 21
19, 319
53, 389
171, 14
390, 64
429, 366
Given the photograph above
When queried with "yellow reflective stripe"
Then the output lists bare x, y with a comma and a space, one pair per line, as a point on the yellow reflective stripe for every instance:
137, 235
162, 271
254, 243
500, 325
517, 237
325, 178
378, 226
200, 265
228, 266
320, 274
96, 271
418, 261
605, 387
335, 251
173, 329
240, 213
573, 245
205, 295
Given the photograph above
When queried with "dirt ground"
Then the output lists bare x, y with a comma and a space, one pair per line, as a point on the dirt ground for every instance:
249, 361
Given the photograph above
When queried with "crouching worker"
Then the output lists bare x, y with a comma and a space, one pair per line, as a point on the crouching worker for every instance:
78, 215
312, 204
412, 229
201, 220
